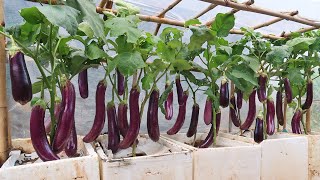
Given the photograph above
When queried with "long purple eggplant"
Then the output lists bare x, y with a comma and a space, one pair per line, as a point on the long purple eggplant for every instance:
224, 93
100, 116
207, 115
38, 134
288, 90
120, 84
309, 95
233, 112
152, 116
83, 84
134, 126
261, 91
72, 144
208, 140
194, 120
168, 105
239, 99
258, 130
113, 131
181, 116
65, 124
295, 122
179, 90
20, 80
123, 118
279, 109
218, 120
270, 117
251, 112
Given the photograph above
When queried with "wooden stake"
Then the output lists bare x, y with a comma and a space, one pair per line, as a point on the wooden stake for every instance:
4, 124
103, 3
275, 20
308, 120
255, 9
268, 36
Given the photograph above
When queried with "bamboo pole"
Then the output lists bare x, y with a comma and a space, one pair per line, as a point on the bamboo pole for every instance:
275, 20
103, 3
256, 9
210, 7
180, 23
298, 31
308, 120
162, 14
232, 11
4, 122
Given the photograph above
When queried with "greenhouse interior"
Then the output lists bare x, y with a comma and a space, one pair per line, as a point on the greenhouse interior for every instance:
159, 90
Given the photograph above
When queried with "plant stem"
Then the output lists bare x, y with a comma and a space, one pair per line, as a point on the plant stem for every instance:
114, 88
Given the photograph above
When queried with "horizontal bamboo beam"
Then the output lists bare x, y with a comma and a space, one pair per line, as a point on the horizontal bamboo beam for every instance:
210, 7
268, 36
255, 9
302, 30
275, 20
232, 11
157, 19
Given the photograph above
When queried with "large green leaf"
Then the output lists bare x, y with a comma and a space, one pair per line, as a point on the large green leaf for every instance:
200, 35
300, 43
278, 53
129, 62
89, 15
94, 52
124, 26
222, 24
59, 15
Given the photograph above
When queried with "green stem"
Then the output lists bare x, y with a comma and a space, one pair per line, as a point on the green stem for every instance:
52, 101
114, 88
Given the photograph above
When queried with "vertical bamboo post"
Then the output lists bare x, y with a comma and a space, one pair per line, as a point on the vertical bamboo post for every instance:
308, 120
4, 125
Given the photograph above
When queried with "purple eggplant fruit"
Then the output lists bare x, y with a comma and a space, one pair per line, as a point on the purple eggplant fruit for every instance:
134, 126
270, 117
113, 131
194, 120
181, 116
168, 105
288, 90
233, 112
251, 112
207, 115
83, 84
224, 93
258, 130
65, 124
123, 118
72, 144
38, 134
279, 109
20, 80
120, 84
152, 116
100, 115
309, 95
